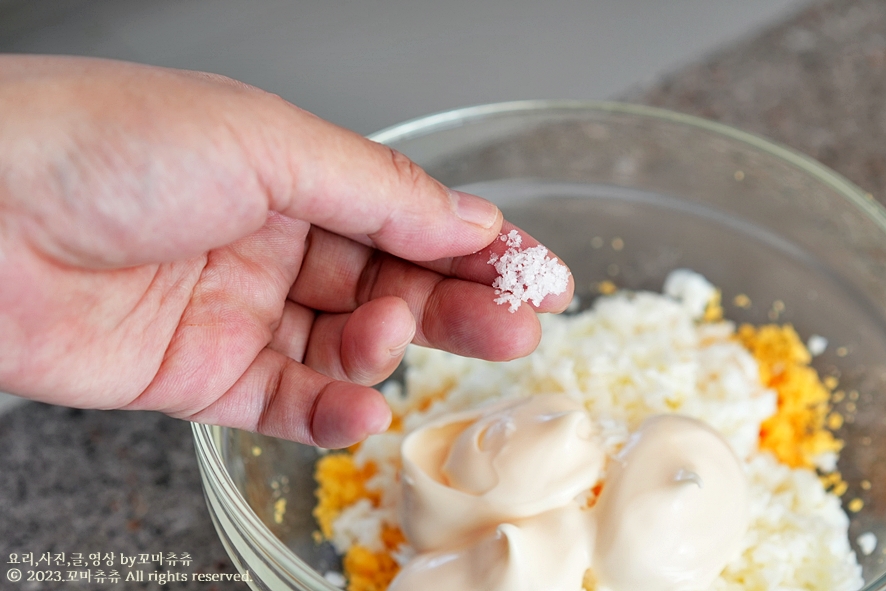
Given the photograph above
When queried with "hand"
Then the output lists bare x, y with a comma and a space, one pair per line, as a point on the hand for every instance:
181, 242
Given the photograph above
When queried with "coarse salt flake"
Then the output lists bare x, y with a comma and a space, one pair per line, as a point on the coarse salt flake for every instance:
526, 275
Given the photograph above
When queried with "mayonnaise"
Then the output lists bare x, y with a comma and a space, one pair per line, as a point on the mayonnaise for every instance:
466, 473
673, 509
496, 499
543, 552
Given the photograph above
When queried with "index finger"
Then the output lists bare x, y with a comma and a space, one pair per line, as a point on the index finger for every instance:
338, 180
355, 187
163, 165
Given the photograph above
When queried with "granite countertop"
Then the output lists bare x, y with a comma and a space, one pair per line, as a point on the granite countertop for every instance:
816, 83
127, 482
78, 481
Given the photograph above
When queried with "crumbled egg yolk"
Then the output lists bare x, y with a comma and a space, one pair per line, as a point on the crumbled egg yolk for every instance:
713, 312
373, 571
279, 510
606, 287
798, 432
342, 484
742, 301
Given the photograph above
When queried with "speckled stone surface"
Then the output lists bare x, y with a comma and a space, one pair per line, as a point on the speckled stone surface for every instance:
88, 481
77, 481
816, 83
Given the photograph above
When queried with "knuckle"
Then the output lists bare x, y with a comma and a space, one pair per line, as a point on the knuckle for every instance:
407, 172
368, 282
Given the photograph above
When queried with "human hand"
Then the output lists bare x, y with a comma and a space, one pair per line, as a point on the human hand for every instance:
180, 242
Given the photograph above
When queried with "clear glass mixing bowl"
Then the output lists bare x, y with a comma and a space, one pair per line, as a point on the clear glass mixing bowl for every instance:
624, 193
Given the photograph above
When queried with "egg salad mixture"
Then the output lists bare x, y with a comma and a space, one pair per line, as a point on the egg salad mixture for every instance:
646, 443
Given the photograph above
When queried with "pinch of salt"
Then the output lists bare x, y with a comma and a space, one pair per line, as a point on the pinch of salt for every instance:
526, 275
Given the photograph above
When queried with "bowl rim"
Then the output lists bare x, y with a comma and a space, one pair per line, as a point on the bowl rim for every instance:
457, 117
207, 437
207, 444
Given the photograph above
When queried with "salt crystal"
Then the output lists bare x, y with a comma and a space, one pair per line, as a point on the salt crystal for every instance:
526, 275
513, 239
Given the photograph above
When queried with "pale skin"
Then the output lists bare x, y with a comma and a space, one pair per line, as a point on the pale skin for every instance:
181, 242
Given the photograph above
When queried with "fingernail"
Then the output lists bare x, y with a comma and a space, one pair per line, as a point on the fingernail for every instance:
382, 426
474, 210
397, 351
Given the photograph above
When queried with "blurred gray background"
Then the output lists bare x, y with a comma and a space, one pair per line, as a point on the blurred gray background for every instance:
368, 64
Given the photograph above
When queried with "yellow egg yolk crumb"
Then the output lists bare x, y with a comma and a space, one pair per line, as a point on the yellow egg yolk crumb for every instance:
713, 312
279, 510
797, 432
373, 571
606, 287
834, 483
742, 301
341, 483
368, 571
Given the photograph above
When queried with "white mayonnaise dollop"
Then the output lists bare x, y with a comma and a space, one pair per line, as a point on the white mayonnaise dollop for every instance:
496, 499
467, 473
673, 509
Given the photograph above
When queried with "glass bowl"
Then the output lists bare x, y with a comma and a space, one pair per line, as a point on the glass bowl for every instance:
624, 193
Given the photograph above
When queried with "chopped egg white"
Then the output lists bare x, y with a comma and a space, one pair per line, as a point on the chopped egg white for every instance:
335, 579
691, 289
631, 356
817, 345
867, 543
